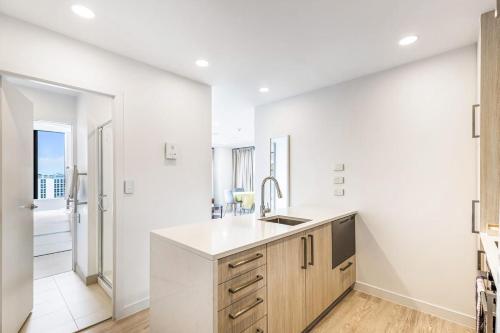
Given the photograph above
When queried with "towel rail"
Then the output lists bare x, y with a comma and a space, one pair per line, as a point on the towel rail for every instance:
487, 303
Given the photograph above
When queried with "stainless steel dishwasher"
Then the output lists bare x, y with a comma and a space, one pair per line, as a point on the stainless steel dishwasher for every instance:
343, 240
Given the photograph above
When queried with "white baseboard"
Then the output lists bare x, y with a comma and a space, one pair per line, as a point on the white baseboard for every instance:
436, 310
132, 308
88, 280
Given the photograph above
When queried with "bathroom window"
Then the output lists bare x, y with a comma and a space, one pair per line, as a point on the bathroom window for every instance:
49, 165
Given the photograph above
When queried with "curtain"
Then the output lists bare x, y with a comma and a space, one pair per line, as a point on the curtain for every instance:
243, 168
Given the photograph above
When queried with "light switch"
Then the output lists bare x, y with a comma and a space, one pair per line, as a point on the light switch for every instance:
339, 192
170, 151
128, 187
338, 180
339, 167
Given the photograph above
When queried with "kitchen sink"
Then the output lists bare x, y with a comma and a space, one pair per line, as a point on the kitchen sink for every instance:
288, 220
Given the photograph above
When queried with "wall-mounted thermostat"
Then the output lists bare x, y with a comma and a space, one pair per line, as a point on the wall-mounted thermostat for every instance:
170, 151
339, 167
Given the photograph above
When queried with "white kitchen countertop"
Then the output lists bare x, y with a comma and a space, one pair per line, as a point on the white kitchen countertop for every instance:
219, 238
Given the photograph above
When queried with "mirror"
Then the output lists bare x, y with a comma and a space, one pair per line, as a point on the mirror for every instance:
279, 167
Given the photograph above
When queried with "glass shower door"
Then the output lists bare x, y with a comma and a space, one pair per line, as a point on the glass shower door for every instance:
105, 203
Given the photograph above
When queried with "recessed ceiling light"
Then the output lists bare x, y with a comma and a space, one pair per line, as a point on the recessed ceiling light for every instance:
83, 11
202, 63
408, 40
264, 90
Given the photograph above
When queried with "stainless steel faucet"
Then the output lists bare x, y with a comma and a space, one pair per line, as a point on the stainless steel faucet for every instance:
263, 209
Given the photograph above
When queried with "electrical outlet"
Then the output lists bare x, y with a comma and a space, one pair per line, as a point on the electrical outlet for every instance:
338, 180
339, 192
339, 167
128, 187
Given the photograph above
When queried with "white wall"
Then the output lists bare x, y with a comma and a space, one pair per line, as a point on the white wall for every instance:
222, 172
281, 172
405, 138
157, 106
233, 118
51, 106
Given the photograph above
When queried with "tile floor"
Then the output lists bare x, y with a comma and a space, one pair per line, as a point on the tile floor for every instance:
52, 264
64, 304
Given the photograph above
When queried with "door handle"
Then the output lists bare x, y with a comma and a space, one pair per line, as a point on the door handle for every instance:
311, 237
304, 244
31, 206
100, 206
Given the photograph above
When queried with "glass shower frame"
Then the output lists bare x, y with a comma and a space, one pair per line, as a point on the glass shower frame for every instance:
101, 207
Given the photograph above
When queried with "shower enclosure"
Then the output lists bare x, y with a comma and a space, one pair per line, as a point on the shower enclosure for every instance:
105, 203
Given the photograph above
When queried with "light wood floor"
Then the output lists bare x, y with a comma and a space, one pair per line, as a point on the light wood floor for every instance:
358, 312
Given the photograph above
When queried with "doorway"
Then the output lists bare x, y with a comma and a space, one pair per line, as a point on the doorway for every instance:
71, 188
52, 230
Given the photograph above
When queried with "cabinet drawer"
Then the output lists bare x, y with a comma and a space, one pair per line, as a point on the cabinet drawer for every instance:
242, 262
347, 273
258, 327
239, 287
244, 313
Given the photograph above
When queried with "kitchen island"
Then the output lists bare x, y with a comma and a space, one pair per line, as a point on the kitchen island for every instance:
242, 274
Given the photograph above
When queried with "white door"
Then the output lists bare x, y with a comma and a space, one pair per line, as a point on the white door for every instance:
16, 198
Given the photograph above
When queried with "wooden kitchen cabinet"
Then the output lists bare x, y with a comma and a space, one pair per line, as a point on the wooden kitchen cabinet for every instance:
490, 121
286, 277
301, 281
320, 277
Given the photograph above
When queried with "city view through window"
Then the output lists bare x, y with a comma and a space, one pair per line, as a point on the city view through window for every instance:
51, 178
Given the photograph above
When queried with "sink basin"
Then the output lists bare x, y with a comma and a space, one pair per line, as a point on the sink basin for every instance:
288, 220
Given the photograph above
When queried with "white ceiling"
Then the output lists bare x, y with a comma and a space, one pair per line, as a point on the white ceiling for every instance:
291, 46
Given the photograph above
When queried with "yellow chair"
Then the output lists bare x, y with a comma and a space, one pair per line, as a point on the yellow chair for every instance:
248, 202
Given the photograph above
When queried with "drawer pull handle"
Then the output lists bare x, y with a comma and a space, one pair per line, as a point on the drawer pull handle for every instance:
345, 221
304, 244
246, 284
246, 261
311, 237
245, 310
259, 331
346, 267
